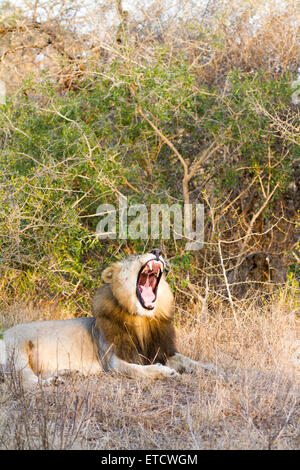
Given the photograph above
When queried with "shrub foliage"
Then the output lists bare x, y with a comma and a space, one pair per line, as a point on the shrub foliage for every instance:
129, 126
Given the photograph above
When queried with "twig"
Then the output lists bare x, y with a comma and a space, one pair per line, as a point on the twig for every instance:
227, 284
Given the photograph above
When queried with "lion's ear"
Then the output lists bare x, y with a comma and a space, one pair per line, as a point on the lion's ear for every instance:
107, 274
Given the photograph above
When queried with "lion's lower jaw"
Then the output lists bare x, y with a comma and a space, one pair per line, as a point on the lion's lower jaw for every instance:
144, 312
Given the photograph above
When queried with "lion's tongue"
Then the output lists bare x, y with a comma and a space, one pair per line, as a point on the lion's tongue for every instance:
147, 293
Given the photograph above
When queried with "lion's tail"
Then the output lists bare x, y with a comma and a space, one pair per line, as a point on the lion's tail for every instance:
2, 353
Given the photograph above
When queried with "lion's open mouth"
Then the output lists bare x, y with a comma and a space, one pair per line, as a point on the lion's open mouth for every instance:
147, 283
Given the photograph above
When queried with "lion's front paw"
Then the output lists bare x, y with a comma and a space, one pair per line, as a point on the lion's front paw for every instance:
54, 380
195, 366
208, 367
181, 364
168, 372
162, 372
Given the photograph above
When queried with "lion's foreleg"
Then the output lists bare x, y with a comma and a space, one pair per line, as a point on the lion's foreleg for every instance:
182, 363
153, 371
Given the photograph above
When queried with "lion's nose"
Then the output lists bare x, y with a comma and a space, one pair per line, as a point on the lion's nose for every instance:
156, 252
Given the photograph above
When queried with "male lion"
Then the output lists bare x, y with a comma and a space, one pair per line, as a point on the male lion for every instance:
131, 330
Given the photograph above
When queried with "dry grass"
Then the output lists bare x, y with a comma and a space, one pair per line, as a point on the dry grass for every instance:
252, 401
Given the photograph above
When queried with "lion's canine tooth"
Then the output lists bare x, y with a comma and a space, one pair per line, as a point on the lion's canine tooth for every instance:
150, 264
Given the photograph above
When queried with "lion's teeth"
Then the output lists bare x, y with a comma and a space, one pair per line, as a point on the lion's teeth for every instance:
154, 267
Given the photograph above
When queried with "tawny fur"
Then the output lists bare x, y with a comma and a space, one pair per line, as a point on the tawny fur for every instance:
122, 336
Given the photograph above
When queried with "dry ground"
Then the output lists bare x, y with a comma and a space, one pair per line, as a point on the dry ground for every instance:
252, 401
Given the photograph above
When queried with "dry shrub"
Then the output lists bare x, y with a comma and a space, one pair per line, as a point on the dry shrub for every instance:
215, 37
255, 40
